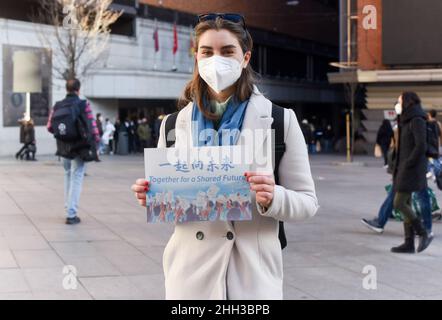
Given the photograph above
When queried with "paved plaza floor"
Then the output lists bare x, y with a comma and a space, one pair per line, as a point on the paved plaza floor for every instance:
118, 256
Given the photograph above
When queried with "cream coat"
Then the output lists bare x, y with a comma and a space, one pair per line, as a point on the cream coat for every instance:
250, 265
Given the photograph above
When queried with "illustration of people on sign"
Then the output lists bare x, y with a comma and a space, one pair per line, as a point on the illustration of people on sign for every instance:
209, 205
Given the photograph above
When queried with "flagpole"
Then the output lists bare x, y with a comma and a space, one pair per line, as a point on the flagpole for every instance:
175, 45
155, 45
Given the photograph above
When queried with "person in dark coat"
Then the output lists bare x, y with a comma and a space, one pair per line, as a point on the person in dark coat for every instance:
383, 138
30, 140
410, 169
27, 137
307, 133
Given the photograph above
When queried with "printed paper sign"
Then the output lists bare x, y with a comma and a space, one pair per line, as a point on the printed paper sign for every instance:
197, 184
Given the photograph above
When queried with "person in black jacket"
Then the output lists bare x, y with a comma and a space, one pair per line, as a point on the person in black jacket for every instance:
410, 169
27, 137
383, 138
75, 153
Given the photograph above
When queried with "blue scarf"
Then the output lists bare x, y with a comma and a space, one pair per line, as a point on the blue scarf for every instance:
204, 133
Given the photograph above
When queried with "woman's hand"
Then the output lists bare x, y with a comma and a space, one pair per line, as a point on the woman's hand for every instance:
140, 188
264, 185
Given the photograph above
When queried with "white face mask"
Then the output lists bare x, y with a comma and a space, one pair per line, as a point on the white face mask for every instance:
219, 72
398, 108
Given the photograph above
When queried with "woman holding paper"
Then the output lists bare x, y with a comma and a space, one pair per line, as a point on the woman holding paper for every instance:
241, 259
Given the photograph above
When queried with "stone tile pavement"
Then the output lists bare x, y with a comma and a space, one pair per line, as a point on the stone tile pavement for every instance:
118, 256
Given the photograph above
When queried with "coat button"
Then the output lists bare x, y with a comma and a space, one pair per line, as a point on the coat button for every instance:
200, 235
230, 235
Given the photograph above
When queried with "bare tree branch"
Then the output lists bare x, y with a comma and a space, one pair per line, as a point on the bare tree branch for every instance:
81, 29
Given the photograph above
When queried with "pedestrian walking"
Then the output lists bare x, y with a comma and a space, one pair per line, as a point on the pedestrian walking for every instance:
410, 169
72, 123
383, 139
378, 223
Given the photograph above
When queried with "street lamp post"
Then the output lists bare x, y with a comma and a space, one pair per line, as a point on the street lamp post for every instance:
351, 82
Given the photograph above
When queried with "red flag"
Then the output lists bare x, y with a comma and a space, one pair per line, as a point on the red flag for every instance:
156, 39
191, 45
175, 39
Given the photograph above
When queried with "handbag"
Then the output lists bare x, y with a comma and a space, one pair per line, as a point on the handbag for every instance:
391, 160
32, 148
377, 151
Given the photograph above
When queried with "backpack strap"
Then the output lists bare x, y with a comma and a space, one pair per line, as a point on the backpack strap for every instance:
278, 122
170, 128
278, 127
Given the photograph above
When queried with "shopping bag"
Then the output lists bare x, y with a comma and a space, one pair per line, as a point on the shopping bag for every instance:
397, 215
377, 151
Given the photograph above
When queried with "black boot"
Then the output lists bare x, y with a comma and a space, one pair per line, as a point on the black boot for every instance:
424, 238
408, 245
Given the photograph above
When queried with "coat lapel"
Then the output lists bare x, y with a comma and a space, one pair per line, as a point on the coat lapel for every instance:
258, 114
183, 127
256, 130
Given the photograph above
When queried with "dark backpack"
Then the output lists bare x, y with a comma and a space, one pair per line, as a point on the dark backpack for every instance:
277, 124
73, 131
432, 139
65, 120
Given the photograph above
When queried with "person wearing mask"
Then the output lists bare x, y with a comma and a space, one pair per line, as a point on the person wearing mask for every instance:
378, 223
240, 260
410, 169
383, 138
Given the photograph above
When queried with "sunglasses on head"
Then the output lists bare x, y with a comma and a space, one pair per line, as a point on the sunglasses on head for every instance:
232, 17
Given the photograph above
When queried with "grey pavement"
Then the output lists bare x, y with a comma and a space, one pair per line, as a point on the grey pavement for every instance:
118, 256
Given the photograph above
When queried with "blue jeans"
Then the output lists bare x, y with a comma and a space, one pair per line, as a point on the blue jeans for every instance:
73, 182
424, 203
434, 166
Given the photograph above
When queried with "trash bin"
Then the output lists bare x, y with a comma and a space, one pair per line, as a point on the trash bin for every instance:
123, 143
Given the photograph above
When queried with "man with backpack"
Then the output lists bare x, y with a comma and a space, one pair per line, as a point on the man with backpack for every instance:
72, 123
432, 118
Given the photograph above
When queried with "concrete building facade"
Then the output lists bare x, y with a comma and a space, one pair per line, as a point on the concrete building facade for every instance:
394, 47
133, 79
